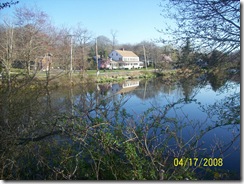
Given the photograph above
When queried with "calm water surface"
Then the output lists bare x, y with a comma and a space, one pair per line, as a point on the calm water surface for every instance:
208, 112
197, 107
193, 113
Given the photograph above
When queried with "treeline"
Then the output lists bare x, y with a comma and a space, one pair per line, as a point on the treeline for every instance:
29, 36
28, 39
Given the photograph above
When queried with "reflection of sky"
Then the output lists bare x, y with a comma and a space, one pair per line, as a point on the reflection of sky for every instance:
193, 112
189, 113
207, 96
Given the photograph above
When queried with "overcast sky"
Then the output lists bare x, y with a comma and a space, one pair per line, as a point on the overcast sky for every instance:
135, 20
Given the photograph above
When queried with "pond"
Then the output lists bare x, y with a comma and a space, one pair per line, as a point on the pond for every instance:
136, 129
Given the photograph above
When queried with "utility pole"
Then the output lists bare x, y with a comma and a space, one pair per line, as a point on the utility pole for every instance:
71, 67
97, 58
145, 57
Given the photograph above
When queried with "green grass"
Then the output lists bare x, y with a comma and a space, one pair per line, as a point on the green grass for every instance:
78, 77
118, 70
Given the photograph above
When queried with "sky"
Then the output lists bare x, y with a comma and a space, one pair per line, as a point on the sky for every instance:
134, 20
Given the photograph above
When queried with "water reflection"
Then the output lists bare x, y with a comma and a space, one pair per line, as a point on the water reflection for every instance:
87, 131
118, 88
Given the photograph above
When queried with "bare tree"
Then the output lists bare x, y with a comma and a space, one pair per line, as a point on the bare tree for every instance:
104, 46
62, 49
114, 35
152, 52
82, 37
209, 23
32, 34
7, 46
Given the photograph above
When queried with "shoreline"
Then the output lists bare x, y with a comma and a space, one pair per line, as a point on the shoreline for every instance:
62, 78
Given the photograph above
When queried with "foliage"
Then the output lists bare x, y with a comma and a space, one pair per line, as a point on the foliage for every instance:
186, 56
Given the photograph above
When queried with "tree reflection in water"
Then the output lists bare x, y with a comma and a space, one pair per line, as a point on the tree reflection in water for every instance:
89, 132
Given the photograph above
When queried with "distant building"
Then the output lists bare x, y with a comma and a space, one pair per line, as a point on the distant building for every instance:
123, 55
123, 59
44, 62
104, 63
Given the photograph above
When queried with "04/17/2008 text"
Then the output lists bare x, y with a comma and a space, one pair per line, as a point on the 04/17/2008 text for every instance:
205, 162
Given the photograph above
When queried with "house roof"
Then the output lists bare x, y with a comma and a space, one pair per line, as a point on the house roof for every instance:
126, 53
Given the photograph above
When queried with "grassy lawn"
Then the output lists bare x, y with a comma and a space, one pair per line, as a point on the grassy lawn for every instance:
42, 74
93, 72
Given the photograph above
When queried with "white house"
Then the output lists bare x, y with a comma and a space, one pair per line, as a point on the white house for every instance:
124, 59
123, 55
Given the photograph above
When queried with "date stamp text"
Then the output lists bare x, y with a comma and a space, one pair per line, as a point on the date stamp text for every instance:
205, 162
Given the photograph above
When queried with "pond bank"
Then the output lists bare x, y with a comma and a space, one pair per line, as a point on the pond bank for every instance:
115, 76
78, 78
